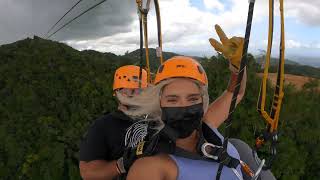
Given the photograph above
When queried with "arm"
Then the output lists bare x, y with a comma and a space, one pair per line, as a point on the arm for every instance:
94, 152
146, 169
231, 50
218, 111
98, 169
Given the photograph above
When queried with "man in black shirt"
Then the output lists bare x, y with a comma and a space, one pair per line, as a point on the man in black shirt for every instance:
103, 146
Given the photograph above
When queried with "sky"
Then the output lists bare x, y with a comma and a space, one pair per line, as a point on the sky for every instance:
187, 24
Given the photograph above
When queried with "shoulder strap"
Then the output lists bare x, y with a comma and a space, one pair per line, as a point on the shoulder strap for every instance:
165, 143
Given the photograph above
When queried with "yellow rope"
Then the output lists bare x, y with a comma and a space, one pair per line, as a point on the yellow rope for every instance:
143, 13
273, 122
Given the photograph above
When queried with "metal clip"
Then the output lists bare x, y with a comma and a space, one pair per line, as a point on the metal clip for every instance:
259, 170
206, 154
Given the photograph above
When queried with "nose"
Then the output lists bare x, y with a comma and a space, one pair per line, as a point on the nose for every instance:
184, 102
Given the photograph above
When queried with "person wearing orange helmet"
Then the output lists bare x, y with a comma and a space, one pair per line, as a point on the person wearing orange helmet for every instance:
182, 105
103, 145
189, 146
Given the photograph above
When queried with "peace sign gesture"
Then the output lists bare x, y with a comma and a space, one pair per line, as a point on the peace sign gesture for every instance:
230, 48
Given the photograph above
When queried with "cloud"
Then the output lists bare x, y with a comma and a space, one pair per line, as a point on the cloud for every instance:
113, 26
213, 4
306, 11
185, 29
293, 44
21, 19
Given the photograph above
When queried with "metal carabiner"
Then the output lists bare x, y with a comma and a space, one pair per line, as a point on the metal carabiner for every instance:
259, 170
206, 154
237, 174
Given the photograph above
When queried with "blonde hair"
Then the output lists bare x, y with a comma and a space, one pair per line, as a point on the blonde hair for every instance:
148, 102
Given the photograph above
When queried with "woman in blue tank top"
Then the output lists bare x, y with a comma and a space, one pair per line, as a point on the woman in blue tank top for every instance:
181, 86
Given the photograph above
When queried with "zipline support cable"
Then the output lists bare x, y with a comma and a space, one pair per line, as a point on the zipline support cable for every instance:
63, 16
69, 22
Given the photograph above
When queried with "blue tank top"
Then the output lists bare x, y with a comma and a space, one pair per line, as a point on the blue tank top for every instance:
189, 169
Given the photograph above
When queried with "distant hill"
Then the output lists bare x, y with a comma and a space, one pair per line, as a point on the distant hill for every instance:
154, 60
297, 81
310, 61
291, 67
152, 54
274, 61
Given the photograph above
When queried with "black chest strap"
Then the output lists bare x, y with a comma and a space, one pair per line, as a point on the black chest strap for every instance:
165, 143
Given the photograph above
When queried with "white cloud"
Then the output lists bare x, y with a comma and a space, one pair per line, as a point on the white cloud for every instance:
213, 4
187, 28
306, 11
293, 44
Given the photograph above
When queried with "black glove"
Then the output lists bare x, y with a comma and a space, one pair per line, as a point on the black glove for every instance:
143, 149
125, 162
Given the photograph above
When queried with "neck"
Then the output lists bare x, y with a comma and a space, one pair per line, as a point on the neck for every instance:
189, 143
122, 107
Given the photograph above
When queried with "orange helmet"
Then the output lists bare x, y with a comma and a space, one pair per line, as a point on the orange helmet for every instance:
181, 66
128, 77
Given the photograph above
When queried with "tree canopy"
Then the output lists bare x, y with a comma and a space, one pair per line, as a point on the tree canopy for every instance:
50, 94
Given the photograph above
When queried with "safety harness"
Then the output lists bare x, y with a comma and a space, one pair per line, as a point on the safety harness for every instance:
270, 133
143, 23
209, 148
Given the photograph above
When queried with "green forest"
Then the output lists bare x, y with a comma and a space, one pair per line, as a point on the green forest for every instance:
51, 93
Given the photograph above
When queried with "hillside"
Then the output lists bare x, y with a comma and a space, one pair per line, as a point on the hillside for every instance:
291, 67
51, 93
154, 60
297, 81
274, 61
311, 61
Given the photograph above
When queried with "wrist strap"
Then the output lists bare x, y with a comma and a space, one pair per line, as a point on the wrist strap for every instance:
120, 166
232, 82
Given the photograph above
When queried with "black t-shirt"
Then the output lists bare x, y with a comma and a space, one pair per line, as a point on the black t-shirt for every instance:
105, 138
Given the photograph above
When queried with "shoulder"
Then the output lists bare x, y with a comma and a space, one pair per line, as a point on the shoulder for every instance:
102, 126
156, 167
157, 161
111, 120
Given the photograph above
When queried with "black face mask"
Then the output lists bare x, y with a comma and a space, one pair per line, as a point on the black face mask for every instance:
184, 120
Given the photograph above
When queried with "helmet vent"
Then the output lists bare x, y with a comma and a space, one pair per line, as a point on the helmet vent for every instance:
135, 78
200, 70
181, 66
161, 68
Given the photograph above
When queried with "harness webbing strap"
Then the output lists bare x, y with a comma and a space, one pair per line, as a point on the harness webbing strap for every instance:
146, 44
168, 137
143, 19
141, 50
157, 7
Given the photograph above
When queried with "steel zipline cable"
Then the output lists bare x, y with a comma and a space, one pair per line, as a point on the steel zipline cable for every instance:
63, 17
69, 22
